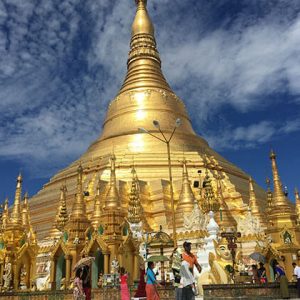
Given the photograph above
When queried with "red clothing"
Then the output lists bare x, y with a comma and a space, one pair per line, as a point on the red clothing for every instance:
124, 278
152, 293
141, 291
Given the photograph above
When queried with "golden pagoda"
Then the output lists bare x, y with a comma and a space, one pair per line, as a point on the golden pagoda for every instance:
144, 96
105, 196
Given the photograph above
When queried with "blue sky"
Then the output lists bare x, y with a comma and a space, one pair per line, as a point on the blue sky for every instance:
235, 63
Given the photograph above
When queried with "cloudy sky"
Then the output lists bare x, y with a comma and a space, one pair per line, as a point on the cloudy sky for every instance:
235, 63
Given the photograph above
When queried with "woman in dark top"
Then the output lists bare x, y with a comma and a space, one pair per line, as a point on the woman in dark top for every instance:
262, 273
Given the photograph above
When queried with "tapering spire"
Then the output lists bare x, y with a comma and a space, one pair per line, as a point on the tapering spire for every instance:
253, 204
269, 193
16, 217
97, 209
144, 65
112, 200
187, 198
79, 208
279, 198
25, 213
62, 213
5, 214
297, 202
134, 206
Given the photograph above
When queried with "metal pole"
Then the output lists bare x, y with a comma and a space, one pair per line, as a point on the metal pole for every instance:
172, 195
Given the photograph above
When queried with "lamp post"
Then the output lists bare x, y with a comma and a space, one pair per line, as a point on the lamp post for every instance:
167, 141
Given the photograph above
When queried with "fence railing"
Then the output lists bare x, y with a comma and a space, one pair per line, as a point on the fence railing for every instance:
166, 293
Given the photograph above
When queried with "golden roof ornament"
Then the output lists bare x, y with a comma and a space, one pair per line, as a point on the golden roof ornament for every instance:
79, 208
112, 199
186, 200
5, 214
279, 198
15, 217
209, 201
252, 200
95, 220
62, 213
269, 193
134, 207
297, 202
25, 212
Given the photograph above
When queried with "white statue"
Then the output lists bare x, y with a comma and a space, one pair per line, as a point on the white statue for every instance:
23, 274
7, 276
195, 219
42, 283
114, 266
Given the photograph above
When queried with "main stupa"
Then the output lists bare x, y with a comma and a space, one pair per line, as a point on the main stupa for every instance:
146, 96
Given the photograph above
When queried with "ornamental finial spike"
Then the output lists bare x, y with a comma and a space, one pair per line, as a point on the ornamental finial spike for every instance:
142, 23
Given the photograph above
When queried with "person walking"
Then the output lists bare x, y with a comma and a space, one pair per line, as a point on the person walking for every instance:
280, 275
125, 295
78, 288
187, 281
188, 256
151, 285
86, 282
297, 274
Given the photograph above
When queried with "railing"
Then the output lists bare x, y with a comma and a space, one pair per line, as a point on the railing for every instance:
166, 293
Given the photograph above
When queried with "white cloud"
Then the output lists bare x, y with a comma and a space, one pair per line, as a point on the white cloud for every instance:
60, 65
251, 136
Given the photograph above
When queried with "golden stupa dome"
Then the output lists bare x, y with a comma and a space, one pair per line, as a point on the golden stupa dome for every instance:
144, 96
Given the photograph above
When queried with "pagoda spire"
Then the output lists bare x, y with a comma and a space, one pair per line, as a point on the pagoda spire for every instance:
279, 199
62, 212
187, 198
16, 217
97, 209
269, 194
112, 200
297, 202
253, 204
5, 214
79, 209
134, 207
25, 213
144, 64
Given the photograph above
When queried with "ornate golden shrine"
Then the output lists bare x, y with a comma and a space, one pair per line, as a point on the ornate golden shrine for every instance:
97, 188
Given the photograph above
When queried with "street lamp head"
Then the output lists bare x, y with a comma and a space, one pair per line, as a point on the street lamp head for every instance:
141, 129
156, 124
177, 123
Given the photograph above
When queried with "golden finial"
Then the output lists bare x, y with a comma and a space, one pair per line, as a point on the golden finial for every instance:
253, 204
79, 208
16, 217
25, 212
144, 64
112, 200
62, 213
269, 193
142, 23
279, 199
97, 208
134, 206
186, 201
5, 215
297, 203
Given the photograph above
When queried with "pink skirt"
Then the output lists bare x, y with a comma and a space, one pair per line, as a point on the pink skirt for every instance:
125, 295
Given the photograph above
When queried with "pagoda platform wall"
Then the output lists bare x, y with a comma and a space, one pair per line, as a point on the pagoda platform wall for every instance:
246, 291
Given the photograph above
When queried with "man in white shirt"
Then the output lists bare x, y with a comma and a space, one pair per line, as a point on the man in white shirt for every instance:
188, 281
297, 274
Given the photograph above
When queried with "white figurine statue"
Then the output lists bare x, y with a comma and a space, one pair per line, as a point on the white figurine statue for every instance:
114, 266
